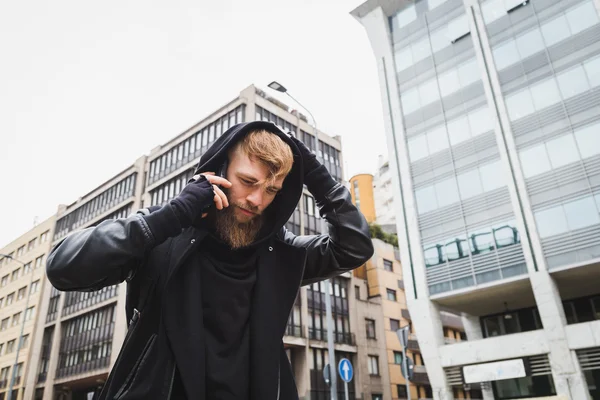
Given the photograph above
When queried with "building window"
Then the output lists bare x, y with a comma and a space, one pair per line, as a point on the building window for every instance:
394, 325
4, 281
16, 318
29, 313
24, 341
398, 357
370, 325
391, 295
529, 386
517, 321
4, 324
357, 292
388, 265
376, 396
374, 365
21, 293
44, 237
34, 287
10, 298
401, 391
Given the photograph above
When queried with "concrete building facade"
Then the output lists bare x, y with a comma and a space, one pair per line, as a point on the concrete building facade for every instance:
79, 335
492, 119
22, 280
384, 195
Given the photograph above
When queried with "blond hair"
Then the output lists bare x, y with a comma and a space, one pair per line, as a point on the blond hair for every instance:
269, 149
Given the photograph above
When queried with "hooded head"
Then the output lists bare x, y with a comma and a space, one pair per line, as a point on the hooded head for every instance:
265, 169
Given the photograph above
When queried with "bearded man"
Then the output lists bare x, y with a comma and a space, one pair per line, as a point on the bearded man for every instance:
212, 275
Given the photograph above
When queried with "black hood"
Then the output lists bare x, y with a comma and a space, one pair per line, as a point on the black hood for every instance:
278, 212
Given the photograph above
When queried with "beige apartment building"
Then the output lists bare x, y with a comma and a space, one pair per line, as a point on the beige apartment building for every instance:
383, 284
22, 281
78, 335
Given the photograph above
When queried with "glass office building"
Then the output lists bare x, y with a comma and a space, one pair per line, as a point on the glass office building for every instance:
492, 113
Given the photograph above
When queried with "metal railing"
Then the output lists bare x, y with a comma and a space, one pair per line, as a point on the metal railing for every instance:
338, 337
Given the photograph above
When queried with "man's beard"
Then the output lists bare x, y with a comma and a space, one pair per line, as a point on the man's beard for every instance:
233, 232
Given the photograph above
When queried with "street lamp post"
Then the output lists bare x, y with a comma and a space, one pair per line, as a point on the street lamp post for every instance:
20, 338
329, 287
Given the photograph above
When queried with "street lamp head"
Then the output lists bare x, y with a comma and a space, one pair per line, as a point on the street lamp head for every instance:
277, 86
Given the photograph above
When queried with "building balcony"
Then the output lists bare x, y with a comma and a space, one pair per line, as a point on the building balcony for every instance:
338, 337
84, 367
294, 330
413, 343
420, 378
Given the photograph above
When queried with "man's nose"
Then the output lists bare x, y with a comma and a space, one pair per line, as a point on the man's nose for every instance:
255, 197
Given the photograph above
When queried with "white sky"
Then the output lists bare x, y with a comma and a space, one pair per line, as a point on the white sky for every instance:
88, 87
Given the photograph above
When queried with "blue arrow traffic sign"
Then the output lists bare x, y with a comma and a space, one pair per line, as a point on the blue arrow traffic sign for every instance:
345, 370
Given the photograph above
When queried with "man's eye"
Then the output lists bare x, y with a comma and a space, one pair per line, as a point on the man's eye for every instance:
246, 182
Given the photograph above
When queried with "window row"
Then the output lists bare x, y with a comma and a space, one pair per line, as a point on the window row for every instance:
562, 27
445, 84
16, 319
430, 44
454, 132
21, 293
110, 197
476, 241
10, 345
471, 183
561, 151
19, 272
201, 139
496, 9
550, 91
43, 238
568, 216
409, 14
170, 189
265, 115
88, 322
89, 353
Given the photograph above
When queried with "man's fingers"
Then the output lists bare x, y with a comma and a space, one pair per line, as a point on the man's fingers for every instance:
218, 201
218, 180
222, 195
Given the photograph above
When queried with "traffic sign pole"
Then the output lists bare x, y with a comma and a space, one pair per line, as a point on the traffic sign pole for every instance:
403, 337
346, 389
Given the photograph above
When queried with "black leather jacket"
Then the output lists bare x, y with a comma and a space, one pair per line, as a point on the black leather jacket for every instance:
166, 321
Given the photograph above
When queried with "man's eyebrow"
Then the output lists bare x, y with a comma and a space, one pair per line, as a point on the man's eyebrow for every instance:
247, 177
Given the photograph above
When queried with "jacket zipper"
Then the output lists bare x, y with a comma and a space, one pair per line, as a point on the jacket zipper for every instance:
171, 384
278, 380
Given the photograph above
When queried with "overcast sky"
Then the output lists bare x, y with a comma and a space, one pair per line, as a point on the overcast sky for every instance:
88, 87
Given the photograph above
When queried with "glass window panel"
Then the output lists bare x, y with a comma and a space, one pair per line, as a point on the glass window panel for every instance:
449, 82
519, 105
458, 27
404, 58
482, 241
493, 10
556, 30
421, 50
582, 17
480, 121
530, 43
447, 192
469, 184
562, 151
581, 213
534, 161
597, 199
433, 255
426, 200
592, 68
410, 101
505, 54
545, 94
457, 248
551, 222
458, 130
505, 235
437, 140
588, 140
417, 148
572, 82
439, 39
428, 92
406, 16
468, 73
492, 176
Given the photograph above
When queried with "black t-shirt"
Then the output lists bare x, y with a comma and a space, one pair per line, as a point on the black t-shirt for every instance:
228, 278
